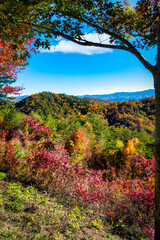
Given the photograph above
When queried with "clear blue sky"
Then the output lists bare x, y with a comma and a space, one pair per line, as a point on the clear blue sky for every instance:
76, 70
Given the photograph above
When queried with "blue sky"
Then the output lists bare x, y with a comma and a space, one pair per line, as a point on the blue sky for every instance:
75, 70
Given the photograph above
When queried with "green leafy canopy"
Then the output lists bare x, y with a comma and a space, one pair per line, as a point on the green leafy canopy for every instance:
125, 27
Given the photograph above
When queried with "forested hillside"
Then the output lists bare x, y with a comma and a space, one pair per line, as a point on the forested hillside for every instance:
131, 114
96, 155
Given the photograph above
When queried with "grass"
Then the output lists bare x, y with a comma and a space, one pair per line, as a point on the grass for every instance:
27, 213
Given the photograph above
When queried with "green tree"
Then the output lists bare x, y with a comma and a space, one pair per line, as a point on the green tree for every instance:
127, 28
15, 19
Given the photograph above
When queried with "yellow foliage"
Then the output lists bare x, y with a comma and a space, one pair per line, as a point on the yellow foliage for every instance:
119, 144
90, 129
129, 149
136, 141
112, 153
128, 152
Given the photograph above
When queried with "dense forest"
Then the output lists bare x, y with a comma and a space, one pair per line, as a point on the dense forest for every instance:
91, 154
131, 114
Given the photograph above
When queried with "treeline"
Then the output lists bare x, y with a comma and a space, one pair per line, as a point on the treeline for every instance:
133, 115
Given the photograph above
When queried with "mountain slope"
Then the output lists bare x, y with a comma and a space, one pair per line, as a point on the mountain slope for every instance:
58, 105
131, 114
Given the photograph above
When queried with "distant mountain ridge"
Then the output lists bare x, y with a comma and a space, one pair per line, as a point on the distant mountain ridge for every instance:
19, 98
116, 97
122, 96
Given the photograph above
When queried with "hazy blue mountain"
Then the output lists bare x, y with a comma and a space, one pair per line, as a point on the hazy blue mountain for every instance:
19, 98
118, 96
123, 96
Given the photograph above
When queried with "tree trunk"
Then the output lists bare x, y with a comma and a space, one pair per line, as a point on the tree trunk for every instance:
157, 155
157, 139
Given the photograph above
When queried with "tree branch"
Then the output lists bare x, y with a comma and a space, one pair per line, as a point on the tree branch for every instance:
130, 48
104, 30
82, 42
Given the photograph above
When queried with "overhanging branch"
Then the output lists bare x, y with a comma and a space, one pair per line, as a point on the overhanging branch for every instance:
130, 48
104, 30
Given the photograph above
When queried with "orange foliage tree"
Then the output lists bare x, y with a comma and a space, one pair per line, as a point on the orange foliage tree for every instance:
79, 147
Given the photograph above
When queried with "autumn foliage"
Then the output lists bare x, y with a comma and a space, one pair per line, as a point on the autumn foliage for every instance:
12, 60
79, 146
124, 193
